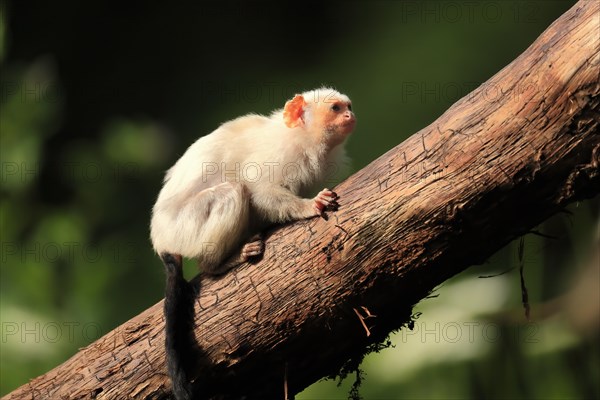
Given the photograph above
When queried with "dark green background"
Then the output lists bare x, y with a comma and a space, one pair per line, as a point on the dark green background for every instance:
100, 98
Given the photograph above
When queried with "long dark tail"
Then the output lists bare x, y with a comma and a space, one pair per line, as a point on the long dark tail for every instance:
179, 326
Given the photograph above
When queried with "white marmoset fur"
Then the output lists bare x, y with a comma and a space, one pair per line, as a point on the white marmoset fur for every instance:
230, 185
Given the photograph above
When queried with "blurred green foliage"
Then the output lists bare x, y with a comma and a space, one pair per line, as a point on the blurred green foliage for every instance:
96, 105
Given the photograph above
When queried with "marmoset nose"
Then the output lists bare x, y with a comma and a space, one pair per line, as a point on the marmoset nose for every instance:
349, 117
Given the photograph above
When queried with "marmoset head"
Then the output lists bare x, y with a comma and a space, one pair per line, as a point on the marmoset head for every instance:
323, 112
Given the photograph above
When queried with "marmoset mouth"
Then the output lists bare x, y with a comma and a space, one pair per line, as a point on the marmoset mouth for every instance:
349, 125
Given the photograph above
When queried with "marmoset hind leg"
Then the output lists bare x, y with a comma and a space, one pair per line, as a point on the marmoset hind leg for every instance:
225, 230
253, 248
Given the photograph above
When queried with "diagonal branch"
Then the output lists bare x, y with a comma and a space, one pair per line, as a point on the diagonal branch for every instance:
497, 163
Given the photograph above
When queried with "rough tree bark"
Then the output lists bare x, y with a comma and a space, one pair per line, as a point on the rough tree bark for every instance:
497, 163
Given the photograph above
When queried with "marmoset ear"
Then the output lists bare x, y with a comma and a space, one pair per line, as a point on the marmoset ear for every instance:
294, 111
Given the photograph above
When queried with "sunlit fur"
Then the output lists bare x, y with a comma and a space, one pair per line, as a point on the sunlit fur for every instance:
247, 174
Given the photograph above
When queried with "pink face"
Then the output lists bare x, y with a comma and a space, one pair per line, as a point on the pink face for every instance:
330, 118
336, 119
340, 117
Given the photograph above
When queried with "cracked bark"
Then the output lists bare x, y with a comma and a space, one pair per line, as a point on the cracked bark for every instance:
497, 163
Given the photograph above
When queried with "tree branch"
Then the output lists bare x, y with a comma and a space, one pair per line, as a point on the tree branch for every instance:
496, 164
